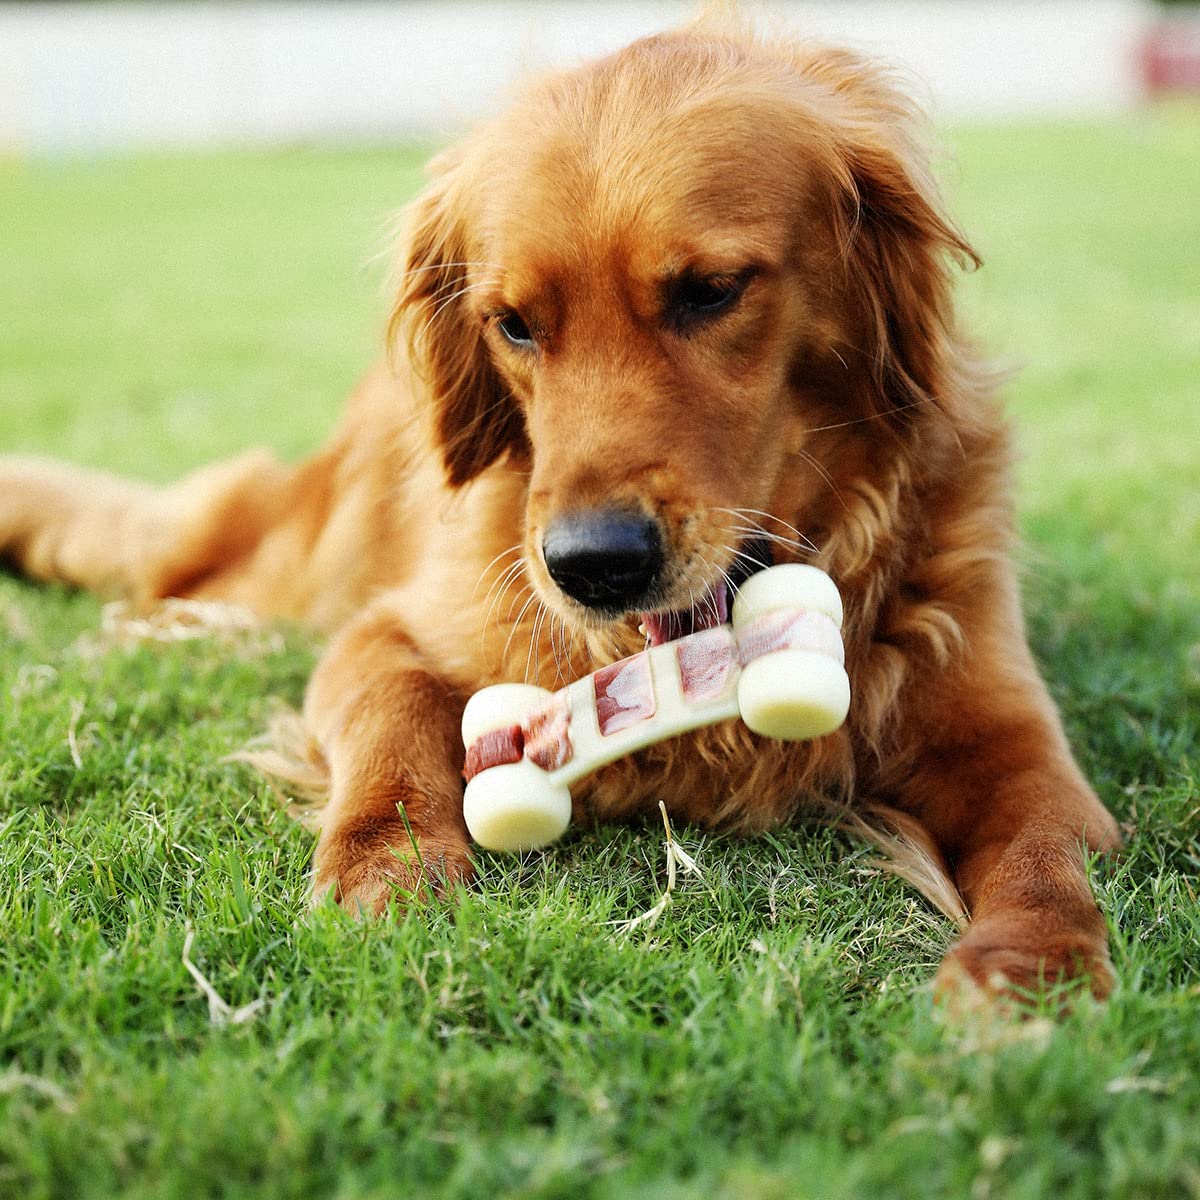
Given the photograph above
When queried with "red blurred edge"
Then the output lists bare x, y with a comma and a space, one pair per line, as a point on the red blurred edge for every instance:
1170, 55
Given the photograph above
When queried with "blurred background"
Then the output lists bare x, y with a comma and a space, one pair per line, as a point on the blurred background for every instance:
196, 202
171, 75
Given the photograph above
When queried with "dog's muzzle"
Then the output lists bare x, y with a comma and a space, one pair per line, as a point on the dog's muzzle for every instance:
611, 559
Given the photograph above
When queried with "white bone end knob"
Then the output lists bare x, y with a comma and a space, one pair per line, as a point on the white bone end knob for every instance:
789, 585
499, 706
516, 806
793, 695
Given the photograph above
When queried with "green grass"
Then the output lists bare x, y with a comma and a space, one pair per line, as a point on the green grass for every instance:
771, 1036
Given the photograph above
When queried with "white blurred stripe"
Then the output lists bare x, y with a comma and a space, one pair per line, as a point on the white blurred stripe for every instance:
127, 75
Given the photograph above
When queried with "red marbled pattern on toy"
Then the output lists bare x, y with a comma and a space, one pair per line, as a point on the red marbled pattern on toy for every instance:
789, 629
548, 734
624, 694
708, 662
493, 748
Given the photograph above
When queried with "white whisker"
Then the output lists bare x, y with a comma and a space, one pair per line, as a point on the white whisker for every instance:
710, 594
515, 548
487, 622
891, 412
463, 291
755, 528
750, 514
825, 475
517, 623
501, 585
508, 616
512, 578
734, 556
507, 576
533, 655
446, 266
557, 624
777, 539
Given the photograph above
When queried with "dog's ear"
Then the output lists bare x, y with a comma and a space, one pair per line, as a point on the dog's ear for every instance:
899, 246
475, 418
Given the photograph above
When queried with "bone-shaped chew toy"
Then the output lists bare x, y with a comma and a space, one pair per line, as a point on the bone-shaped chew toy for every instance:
779, 665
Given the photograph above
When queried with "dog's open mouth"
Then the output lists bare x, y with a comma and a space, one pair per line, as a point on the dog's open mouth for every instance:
713, 607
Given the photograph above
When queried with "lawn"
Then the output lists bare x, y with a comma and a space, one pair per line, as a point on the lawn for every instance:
772, 1035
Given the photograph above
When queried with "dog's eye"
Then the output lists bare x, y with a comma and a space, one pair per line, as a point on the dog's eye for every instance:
516, 331
691, 299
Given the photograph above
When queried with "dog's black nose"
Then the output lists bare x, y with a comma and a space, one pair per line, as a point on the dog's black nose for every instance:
605, 558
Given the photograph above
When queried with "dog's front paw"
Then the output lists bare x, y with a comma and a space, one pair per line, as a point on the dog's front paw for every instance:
1003, 959
371, 868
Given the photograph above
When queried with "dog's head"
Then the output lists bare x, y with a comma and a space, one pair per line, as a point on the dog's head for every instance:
658, 283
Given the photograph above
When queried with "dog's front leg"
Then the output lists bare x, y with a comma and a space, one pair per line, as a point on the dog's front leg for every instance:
1034, 918
389, 729
995, 783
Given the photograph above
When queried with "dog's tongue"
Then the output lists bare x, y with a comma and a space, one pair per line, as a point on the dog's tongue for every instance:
712, 609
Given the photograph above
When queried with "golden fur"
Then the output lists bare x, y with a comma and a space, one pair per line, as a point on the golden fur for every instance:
835, 406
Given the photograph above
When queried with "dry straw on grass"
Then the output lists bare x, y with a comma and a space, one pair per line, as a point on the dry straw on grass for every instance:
175, 620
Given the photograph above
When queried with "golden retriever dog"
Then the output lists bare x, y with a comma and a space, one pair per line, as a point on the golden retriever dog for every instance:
673, 314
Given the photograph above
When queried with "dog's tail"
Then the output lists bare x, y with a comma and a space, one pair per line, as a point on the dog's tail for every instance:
291, 758
111, 535
910, 852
